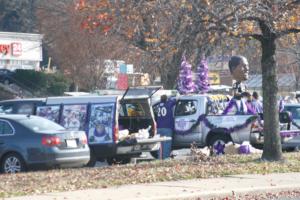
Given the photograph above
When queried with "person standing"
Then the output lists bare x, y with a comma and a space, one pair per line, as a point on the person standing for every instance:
247, 98
257, 103
165, 124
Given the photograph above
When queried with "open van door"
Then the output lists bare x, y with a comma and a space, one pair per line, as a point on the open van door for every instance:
140, 92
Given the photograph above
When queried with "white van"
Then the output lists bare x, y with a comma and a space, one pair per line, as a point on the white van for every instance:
118, 127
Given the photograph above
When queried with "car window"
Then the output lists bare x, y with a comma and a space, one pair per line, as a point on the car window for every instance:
7, 109
134, 109
295, 111
185, 107
40, 124
25, 108
5, 128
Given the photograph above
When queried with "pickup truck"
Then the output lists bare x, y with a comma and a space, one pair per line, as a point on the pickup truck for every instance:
196, 123
198, 120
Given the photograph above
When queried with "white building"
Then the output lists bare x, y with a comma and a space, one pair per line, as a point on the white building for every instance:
20, 50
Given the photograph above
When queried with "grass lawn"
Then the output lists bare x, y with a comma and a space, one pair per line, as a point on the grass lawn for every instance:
169, 170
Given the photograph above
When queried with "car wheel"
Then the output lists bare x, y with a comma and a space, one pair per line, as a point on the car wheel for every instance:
13, 163
217, 143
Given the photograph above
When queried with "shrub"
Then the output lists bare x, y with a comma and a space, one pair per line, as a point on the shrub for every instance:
41, 83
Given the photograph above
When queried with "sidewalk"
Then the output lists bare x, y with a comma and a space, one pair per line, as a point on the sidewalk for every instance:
203, 188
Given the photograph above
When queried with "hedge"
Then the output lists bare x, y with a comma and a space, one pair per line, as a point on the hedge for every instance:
41, 83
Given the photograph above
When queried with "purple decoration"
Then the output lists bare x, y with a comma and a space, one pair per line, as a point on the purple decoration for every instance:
230, 105
181, 124
219, 148
244, 149
209, 125
250, 108
202, 83
185, 84
292, 133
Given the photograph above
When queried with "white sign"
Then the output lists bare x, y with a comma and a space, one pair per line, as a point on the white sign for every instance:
129, 69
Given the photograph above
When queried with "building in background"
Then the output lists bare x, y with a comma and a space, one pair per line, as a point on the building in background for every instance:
121, 75
219, 73
20, 50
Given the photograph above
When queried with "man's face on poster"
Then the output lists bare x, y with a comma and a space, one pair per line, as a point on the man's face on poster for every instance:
100, 128
241, 71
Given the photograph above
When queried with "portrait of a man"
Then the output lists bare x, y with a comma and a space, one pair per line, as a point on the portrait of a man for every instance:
239, 69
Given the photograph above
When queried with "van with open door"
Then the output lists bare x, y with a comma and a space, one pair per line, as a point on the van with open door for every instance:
118, 127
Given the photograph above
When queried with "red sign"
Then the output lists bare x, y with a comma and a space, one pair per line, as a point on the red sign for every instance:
122, 83
4, 48
16, 49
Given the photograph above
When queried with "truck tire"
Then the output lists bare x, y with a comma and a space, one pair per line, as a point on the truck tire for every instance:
218, 141
118, 161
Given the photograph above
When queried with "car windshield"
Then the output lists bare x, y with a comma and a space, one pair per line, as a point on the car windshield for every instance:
40, 124
295, 111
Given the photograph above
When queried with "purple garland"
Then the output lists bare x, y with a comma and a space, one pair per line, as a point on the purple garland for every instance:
292, 133
209, 125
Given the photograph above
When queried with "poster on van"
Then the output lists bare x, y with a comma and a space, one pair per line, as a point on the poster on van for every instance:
48, 112
74, 117
101, 123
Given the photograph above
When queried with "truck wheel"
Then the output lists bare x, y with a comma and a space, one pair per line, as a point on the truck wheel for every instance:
217, 143
118, 161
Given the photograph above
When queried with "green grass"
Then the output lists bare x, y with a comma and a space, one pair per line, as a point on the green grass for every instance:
169, 170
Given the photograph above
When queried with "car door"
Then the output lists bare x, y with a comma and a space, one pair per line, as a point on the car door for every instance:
186, 115
295, 111
6, 133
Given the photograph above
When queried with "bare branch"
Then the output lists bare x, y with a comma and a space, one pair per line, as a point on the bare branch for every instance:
286, 32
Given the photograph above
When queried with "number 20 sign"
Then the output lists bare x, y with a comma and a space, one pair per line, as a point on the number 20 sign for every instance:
16, 49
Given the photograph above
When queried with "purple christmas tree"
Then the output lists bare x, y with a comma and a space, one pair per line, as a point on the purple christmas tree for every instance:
185, 84
202, 83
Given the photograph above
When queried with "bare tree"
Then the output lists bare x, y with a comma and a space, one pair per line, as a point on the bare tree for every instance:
80, 53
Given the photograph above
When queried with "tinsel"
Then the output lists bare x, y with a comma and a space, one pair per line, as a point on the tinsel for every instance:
202, 82
185, 84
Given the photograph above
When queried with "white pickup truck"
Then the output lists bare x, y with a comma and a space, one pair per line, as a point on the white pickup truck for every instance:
194, 123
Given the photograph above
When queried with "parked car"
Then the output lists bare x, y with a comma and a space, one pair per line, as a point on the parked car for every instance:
6, 76
294, 109
29, 142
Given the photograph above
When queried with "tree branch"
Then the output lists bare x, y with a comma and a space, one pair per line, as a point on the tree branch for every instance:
286, 32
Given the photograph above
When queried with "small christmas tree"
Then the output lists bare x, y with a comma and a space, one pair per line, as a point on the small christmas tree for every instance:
185, 84
202, 83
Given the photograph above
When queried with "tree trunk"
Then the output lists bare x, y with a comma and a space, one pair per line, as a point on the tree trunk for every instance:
169, 77
272, 142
